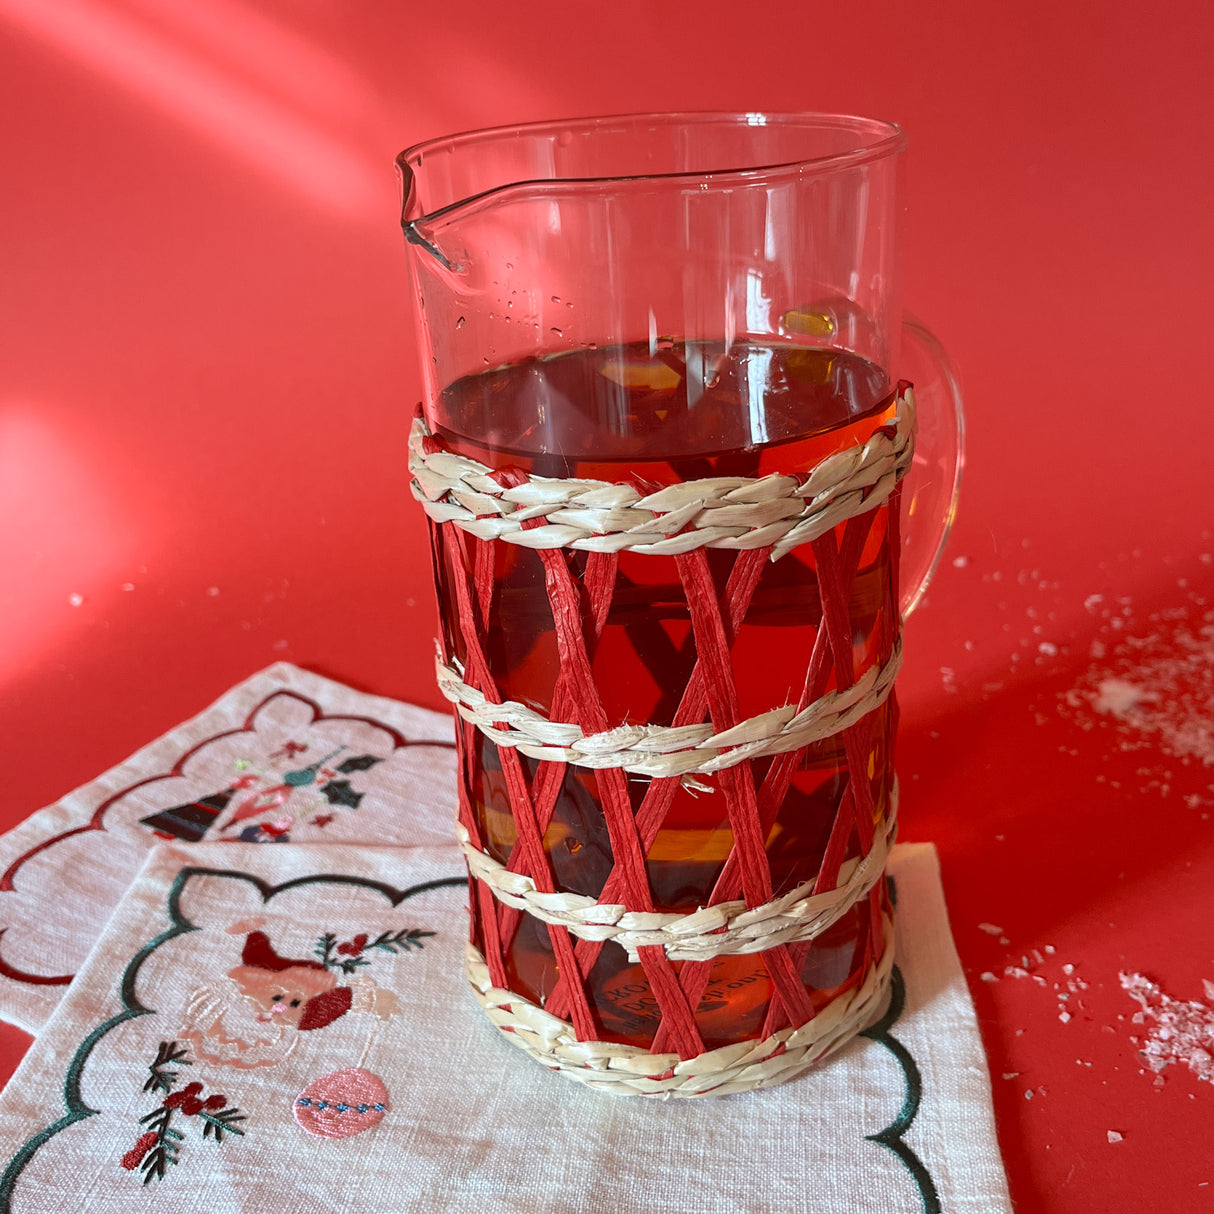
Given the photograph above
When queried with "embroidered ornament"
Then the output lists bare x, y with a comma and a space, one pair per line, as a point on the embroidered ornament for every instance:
342, 1104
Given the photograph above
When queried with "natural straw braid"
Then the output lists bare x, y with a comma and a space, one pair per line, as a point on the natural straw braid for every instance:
760, 519
626, 1070
660, 750
728, 928
717, 512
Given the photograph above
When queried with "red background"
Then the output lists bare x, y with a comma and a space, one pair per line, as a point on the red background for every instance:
208, 370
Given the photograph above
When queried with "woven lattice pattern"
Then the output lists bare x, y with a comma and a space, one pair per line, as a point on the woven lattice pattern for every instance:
751, 761
622, 1070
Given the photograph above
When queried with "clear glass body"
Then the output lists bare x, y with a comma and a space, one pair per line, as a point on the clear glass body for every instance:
654, 299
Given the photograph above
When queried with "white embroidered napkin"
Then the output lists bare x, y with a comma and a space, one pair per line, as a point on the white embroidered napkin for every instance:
287, 1028
285, 756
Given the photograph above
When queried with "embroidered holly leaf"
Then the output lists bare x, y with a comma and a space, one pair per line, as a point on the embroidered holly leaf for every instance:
358, 763
401, 941
340, 792
221, 1123
168, 1054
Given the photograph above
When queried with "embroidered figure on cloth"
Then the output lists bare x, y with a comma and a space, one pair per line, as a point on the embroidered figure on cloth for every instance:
276, 799
161, 1143
254, 1018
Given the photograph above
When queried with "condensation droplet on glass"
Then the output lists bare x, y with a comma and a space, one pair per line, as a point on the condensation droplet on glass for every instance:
491, 316
459, 324
569, 303
557, 331
556, 299
509, 265
594, 345
485, 361
506, 319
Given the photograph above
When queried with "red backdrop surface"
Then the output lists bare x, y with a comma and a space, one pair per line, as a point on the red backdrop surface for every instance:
209, 369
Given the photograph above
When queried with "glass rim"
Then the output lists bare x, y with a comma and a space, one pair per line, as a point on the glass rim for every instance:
880, 138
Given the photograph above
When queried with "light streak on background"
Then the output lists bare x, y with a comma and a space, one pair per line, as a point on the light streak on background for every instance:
219, 102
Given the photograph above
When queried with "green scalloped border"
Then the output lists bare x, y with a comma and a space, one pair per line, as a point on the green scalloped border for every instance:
891, 1137
76, 1109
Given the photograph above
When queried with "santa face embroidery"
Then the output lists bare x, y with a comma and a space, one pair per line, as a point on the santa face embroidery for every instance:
302, 994
254, 1018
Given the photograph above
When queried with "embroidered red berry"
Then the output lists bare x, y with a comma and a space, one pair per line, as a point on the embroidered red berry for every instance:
177, 1100
191, 1105
134, 1157
355, 946
214, 1103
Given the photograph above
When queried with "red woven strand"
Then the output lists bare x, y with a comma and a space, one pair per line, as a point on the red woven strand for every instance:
678, 1024
599, 581
783, 767
736, 783
529, 836
592, 717
838, 626
711, 686
743, 580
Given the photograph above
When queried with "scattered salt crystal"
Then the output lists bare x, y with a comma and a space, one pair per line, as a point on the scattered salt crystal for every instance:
1093, 601
1029, 1094
1004, 940
1068, 969
1115, 1137
1065, 1017
1180, 1031
987, 976
1118, 698
1050, 950
1011, 1074
212, 591
1014, 971
128, 585
1048, 648
990, 929
75, 599
960, 562
1158, 685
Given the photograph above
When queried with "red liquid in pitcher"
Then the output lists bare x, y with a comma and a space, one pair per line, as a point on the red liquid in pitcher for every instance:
652, 417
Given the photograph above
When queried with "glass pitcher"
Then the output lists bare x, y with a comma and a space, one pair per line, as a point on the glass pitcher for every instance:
666, 439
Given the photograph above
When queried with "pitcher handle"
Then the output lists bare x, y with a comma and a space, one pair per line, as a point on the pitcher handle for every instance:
931, 487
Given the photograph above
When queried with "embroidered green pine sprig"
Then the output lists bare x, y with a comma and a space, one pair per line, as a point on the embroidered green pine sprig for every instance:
163, 1143
158, 1146
169, 1054
350, 955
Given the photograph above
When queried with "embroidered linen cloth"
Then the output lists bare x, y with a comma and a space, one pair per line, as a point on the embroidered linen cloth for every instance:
286, 756
288, 1028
